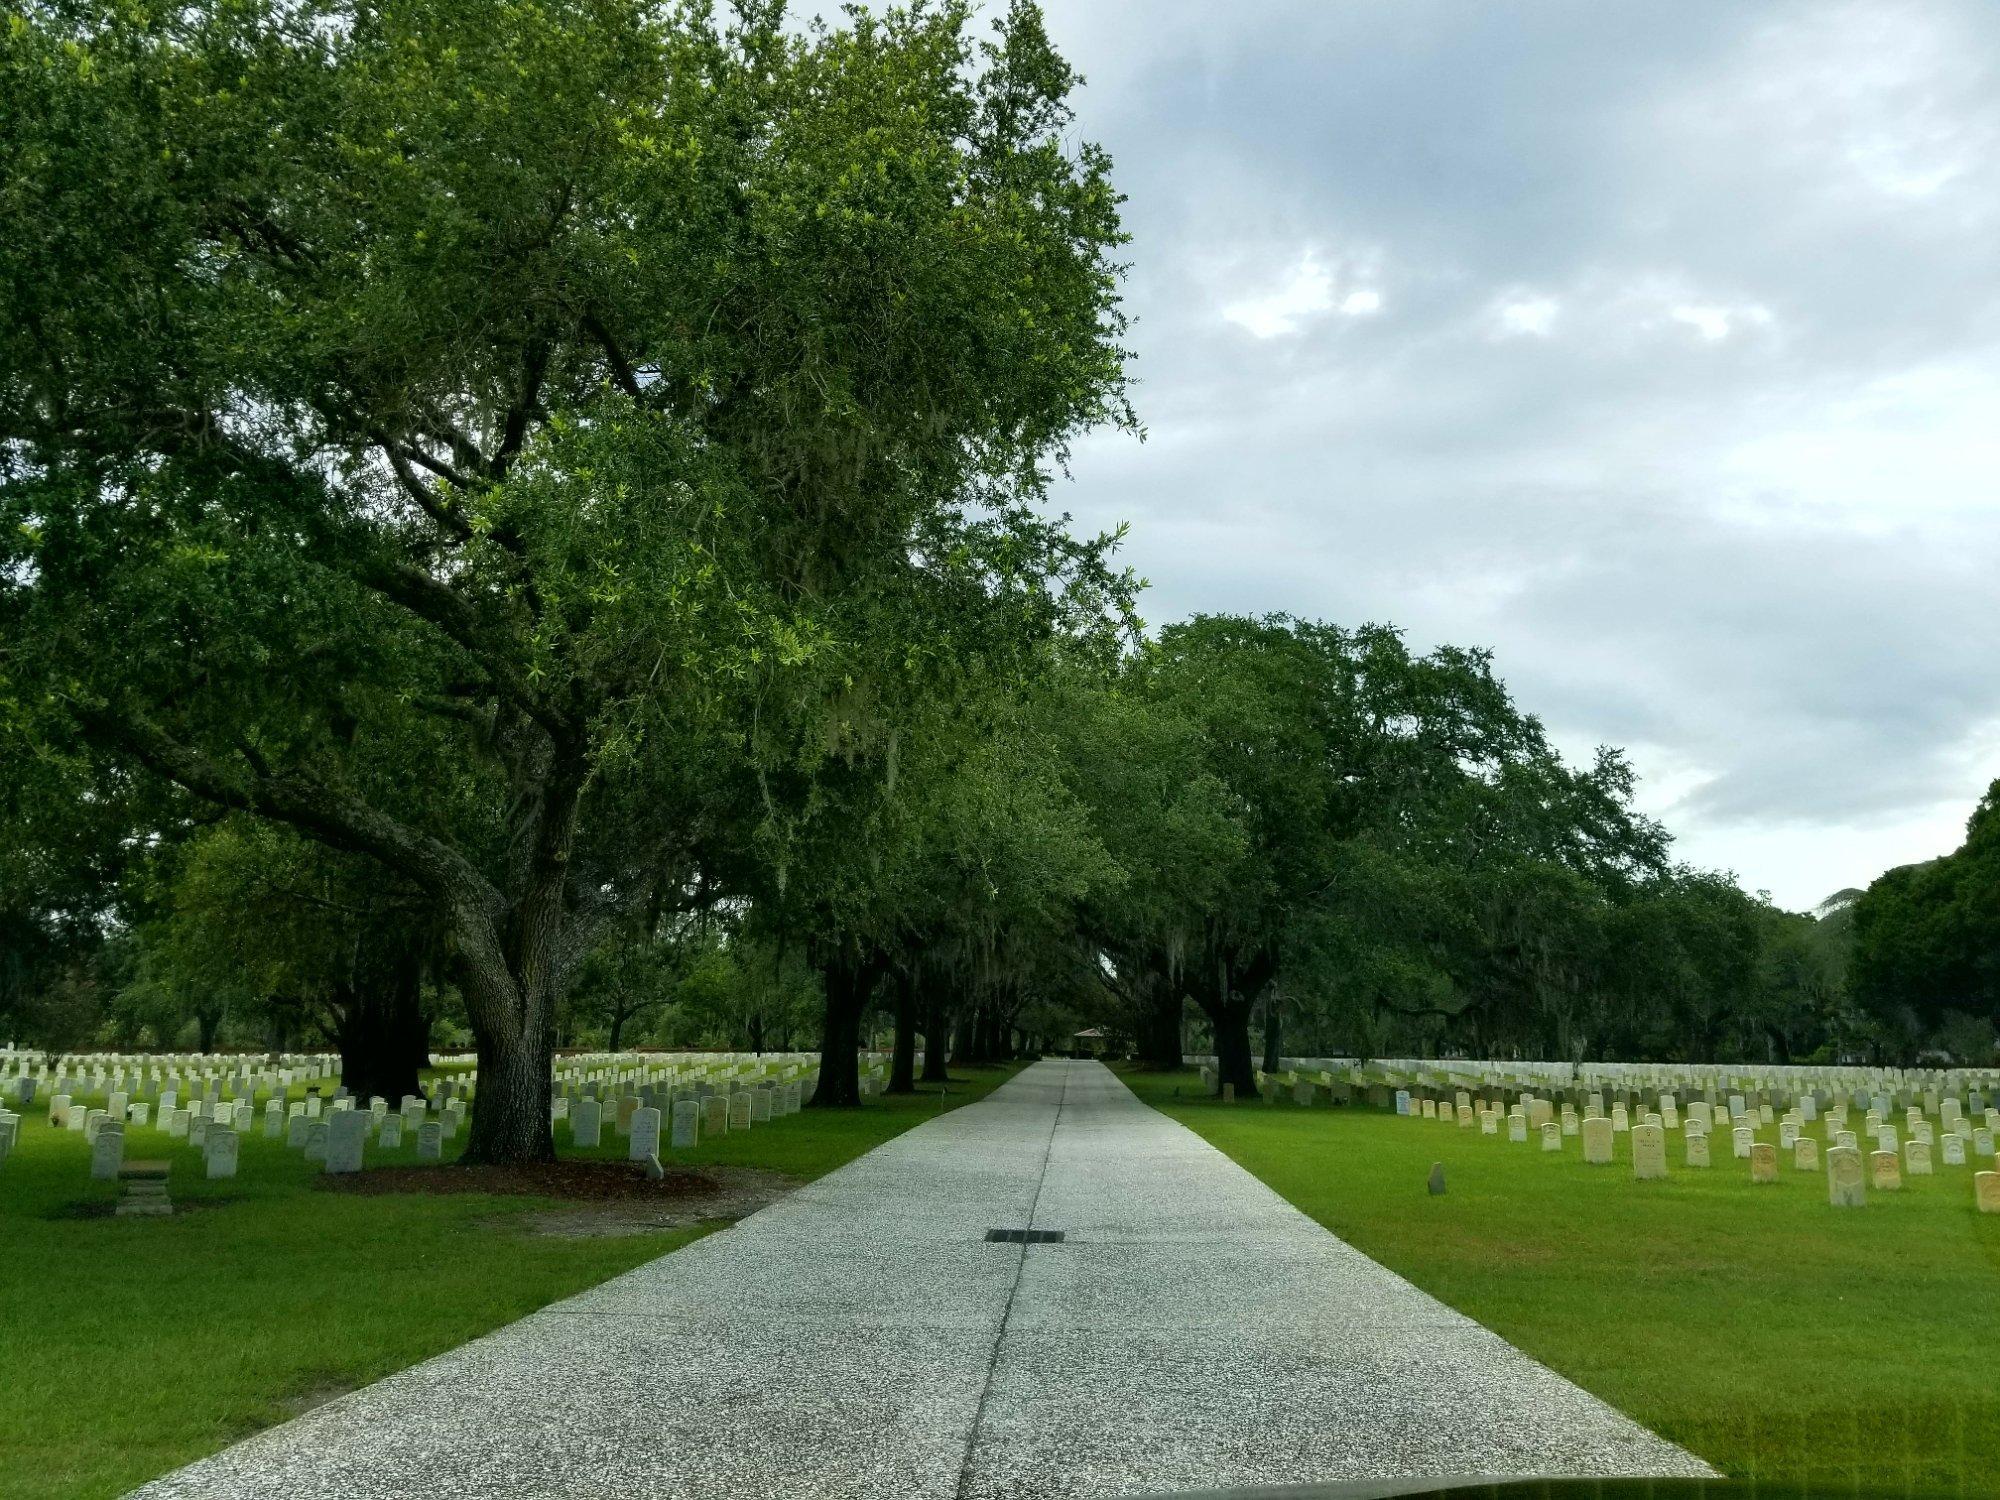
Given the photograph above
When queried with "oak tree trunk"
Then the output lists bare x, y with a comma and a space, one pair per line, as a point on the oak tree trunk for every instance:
937, 1039
510, 1110
383, 1032
1160, 1025
848, 980
1231, 1018
1273, 1031
903, 1062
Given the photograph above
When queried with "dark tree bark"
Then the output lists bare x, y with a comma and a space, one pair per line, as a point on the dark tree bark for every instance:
937, 1038
1232, 1047
1273, 1029
207, 1022
418, 1035
512, 987
383, 1032
903, 1062
1160, 1023
1227, 990
975, 1035
510, 1112
849, 979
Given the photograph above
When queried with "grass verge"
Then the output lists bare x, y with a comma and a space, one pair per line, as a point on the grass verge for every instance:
131, 1346
1783, 1340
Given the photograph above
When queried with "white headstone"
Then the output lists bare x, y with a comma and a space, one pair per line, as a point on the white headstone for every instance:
220, 1155
586, 1123
1597, 1141
645, 1134
1649, 1152
687, 1123
107, 1152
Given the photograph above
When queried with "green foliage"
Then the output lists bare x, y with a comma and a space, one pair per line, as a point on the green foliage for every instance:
565, 485
538, 448
1926, 961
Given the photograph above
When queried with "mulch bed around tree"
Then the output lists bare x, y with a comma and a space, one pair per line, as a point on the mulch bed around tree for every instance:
581, 1181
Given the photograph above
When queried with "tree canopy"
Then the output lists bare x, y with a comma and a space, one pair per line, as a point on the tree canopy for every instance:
528, 523
472, 420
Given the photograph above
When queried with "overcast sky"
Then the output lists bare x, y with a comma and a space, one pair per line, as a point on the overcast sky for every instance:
1656, 347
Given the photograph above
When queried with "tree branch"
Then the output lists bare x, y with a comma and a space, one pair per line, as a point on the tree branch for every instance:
622, 373
321, 813
399, 461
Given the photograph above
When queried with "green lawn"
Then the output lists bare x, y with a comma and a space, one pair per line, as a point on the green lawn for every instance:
1779, 1338
131, 1346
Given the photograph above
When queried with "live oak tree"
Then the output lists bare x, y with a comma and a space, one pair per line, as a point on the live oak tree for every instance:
1138, 763
905, 878
1007, 856
1927, 946
306, 941
1344, 756
479, 436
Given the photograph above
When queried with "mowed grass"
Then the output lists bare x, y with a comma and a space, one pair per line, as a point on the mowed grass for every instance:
1781, 1339
131, 1346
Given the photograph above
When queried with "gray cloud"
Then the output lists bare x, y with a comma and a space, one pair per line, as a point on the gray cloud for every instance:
1655, 347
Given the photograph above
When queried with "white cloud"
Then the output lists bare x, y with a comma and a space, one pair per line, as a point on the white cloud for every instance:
1527, 314
1305, 293
1715, 323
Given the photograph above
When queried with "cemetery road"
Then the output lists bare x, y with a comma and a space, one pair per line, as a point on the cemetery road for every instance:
864, 1337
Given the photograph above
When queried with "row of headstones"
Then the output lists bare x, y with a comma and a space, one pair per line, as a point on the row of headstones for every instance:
694, 1115
1535, 1114
1377, 1085
119, 1102
104, 1135
214, 1127
1952, 1114
333, 1137
136, 1075
338, 1142
201, 1085
1649, 1156
1806, 1106
27, 1089
653, 1084
1935, 1097
1665, 1075
604, 1073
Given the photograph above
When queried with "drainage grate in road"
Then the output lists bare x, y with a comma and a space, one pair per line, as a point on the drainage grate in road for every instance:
1025, 1236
